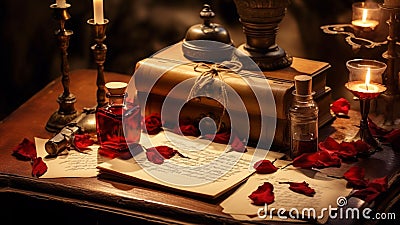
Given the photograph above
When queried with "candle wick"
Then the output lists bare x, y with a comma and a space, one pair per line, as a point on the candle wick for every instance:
366, 86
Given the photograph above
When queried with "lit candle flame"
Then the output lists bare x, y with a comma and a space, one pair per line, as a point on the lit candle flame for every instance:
364, 15
367, 78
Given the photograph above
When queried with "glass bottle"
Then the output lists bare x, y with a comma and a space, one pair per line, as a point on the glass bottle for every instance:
303, 118
118, 122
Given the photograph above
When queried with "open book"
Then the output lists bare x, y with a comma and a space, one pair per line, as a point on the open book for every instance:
208, 169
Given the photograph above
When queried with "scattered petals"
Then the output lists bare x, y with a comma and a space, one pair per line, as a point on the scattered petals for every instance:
82, 141
344, 150
340, 106
263, 195
373, 190
153, 123
38, 167
302, 188
238, 145
319, 159
355, 177
26, 150
265, 167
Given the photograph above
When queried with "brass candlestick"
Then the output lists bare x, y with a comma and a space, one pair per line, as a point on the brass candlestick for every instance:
260, 20
66, 112
99, 50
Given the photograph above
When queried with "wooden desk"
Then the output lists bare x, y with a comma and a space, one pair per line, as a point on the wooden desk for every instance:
97, 201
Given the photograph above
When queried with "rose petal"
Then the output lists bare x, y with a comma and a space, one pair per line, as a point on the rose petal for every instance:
189, 130
319, 159
329, 144
83, 141
222, 138
373, 190
265, 167
347, 151
238, 145
340, 106
302, 188
355, 177
38, 167
26, 150
367, 194
153, 124
376, 130
154, 156
263, 195
114, 154
393, 138
165, 151
379, 184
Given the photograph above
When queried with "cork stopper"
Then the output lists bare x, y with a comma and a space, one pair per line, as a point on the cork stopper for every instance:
303, 84
116, 88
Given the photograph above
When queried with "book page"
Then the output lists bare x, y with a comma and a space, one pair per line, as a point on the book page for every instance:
241, 207
71, 164
213, 170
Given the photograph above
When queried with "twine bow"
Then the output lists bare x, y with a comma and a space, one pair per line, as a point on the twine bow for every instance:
207, 85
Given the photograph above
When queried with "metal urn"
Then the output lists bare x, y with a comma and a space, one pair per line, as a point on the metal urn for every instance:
260, 20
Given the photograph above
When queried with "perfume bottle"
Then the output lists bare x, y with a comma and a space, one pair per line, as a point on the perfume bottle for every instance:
303, 118
118, 122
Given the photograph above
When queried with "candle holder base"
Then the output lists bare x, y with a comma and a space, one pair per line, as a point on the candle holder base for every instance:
64, 115
364, 134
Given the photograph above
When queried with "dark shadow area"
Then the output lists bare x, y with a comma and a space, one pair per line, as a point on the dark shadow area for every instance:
30, 57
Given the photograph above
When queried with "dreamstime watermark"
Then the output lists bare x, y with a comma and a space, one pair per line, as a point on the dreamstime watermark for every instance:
340, 212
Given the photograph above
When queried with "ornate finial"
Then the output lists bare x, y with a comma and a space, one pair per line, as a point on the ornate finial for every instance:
207, 14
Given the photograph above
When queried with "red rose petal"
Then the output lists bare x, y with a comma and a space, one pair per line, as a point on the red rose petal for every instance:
153, 123
165, 151
222, 138
38, 167
319, 159
393, 138
82, 141
154, 156
263, 195
329, 144
373, 190
379, 184
26, 150
340, 106
376, 130
368, 194
189, 130
347, 150
238, 145
265, 167
355, 177
302, 188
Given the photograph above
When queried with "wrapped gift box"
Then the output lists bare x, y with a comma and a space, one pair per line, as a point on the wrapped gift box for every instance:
168, 70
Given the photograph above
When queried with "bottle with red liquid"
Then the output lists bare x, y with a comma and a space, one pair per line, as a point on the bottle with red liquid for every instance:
118, 122
303, 117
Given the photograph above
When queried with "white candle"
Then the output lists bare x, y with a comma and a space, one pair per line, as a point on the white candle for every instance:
61, 3
98, 11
